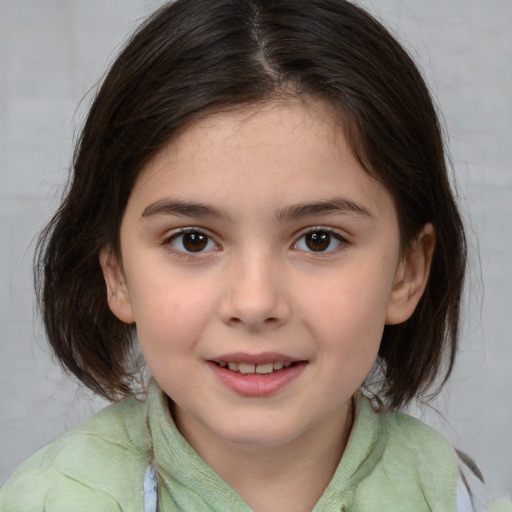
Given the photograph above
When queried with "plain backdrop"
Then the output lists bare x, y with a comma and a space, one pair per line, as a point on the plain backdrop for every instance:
52, 52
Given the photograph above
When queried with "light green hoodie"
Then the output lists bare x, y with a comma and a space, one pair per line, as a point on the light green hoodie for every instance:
392, 462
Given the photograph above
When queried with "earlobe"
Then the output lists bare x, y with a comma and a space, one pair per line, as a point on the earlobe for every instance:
411, 277
118, 296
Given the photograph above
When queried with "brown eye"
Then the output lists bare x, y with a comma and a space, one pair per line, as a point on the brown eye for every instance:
320, 240
192, 242
195, 242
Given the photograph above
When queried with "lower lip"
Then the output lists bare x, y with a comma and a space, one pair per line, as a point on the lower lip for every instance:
254, 384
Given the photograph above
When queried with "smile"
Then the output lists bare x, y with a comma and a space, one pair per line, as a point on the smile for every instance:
258, 369
257, 375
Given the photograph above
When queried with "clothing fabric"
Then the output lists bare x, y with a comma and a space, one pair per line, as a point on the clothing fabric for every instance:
150, 490
150, 485
392, 462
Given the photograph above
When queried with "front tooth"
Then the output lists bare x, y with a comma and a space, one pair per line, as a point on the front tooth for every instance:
233, 366
264, 368
246, 368
278, 366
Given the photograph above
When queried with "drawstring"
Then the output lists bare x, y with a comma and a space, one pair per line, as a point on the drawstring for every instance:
150, 489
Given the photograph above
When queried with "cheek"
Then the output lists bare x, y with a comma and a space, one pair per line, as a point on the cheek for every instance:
169, 313
347, 313
351, 303
349, 336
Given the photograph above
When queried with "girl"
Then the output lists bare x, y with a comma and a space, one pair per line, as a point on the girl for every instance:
260, 202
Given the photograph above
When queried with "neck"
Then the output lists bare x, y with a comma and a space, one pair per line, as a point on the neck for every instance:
285, 478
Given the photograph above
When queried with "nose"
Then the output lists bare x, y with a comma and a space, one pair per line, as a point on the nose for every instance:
254, 294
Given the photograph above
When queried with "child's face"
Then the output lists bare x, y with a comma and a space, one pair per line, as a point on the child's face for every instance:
254, 239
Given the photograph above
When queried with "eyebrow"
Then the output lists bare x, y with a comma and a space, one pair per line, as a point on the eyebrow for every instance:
337, 205
182, 209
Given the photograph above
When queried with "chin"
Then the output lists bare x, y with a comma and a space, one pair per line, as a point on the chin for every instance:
258, 434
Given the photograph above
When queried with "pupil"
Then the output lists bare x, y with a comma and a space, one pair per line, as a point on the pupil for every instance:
194, 242
318, 241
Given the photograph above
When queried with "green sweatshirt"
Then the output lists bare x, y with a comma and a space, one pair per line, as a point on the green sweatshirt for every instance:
392, 462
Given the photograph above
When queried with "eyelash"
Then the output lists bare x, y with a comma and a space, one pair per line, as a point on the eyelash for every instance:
330, 232
317, 230
168, 242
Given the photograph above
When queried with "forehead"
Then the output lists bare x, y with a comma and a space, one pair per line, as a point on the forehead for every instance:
254, 124
285, 150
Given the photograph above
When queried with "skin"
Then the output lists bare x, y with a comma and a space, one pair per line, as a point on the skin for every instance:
255, 286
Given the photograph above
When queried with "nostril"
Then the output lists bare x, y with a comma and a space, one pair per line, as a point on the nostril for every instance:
253, 311
266, 323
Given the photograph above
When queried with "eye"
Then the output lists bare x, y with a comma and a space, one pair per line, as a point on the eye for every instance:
319, 240
191, 241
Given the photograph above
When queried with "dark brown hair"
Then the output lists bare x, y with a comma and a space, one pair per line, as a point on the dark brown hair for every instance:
196, 57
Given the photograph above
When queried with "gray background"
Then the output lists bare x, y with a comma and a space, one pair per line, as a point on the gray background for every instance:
53, 51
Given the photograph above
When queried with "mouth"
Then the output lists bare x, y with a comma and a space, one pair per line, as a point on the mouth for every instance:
255, 369
257, 375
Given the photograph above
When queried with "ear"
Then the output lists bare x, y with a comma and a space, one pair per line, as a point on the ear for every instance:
411, 277
118, 296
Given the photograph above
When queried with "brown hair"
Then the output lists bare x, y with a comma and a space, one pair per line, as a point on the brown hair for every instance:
194, 57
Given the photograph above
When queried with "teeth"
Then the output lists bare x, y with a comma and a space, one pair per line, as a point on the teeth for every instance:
260, 369
246, 368
265, 368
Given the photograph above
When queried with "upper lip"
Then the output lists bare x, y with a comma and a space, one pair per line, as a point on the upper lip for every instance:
262, 358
